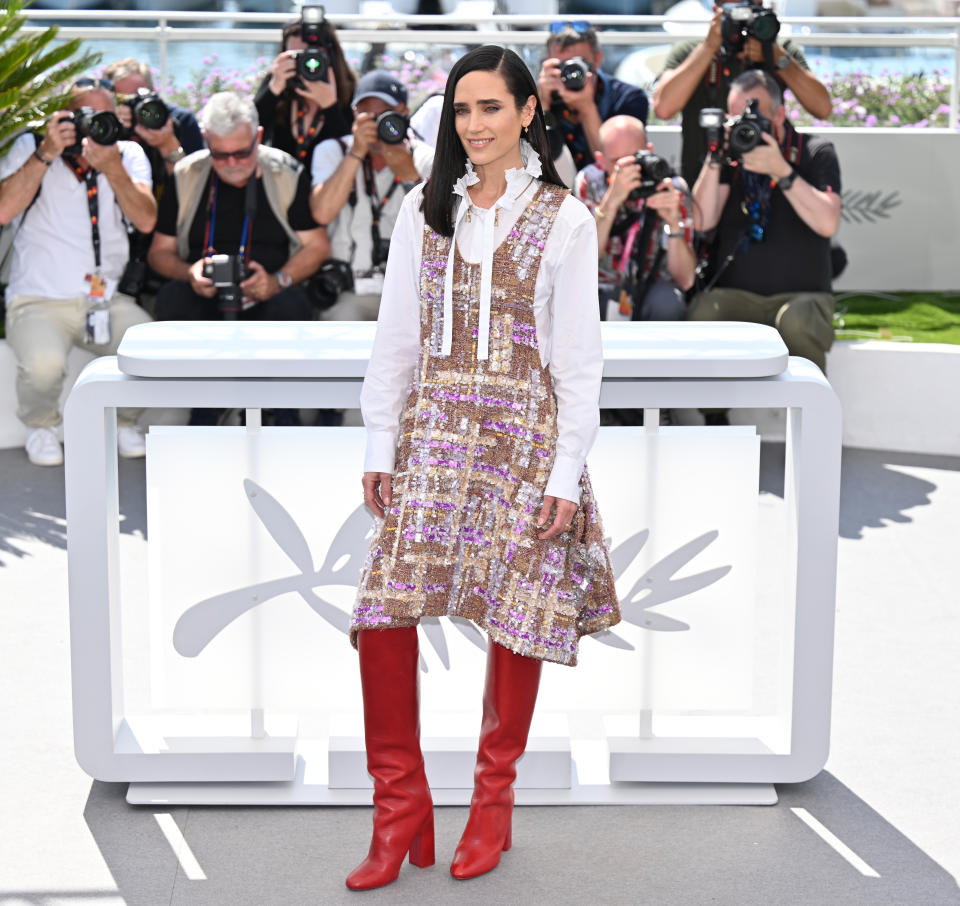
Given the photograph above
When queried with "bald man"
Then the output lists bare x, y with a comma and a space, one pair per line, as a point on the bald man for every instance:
646, 261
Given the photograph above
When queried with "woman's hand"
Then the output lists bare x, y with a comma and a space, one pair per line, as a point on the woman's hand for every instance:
562, 518
377, 492
323, 94
281, 70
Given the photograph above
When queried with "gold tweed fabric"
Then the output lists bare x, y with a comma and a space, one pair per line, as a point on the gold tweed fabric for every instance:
476, 446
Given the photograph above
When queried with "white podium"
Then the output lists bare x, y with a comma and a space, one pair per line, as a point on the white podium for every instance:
212, 701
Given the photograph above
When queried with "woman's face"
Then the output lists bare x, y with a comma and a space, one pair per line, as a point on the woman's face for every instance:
487, 119
295, 42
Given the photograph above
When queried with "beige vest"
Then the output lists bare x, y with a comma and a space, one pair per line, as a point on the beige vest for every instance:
280, 175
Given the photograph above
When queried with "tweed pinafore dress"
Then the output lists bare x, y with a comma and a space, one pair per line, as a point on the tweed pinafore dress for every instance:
475, 450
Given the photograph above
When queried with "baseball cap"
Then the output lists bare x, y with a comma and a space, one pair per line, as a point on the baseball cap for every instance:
380, 84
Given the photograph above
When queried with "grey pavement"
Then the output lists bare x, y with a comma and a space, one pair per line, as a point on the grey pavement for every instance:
890, 790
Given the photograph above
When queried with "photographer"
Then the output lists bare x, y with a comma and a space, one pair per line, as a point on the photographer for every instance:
359, 182
578, 95
646, 260
699, 74
167, 133
774, 208
234, 236
71, 192
305, 100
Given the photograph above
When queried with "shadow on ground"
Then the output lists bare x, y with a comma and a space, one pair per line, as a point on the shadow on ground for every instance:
608, 854
33, 507
873, 492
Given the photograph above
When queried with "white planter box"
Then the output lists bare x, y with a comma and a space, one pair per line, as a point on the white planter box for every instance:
895, 396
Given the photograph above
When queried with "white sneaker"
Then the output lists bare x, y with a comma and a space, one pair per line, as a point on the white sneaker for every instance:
131, 444
43, 448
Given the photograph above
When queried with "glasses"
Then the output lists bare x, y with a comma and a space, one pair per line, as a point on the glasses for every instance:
580, 27
88, 83
239, 155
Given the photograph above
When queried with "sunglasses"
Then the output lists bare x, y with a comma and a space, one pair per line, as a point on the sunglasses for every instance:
87, 82
580, 27
239, 155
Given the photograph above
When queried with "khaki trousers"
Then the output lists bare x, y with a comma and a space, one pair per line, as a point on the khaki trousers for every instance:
41, 332
804, 320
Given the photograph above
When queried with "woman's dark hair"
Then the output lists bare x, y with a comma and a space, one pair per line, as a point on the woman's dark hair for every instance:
450, 159
346, 80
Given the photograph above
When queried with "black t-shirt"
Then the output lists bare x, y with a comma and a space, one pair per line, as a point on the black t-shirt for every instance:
269, 244
711, 92
277, 132
791, 257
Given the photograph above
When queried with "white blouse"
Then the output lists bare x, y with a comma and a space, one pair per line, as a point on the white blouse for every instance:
566, 312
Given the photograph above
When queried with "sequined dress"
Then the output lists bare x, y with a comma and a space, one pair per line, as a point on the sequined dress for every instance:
476, 446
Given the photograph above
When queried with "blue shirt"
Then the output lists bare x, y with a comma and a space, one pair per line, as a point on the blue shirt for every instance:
613, 98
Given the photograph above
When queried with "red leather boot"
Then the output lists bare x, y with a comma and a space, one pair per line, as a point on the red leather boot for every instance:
402, 807
509, 696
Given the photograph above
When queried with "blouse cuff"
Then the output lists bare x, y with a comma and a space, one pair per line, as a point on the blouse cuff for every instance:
381, 451
565, 478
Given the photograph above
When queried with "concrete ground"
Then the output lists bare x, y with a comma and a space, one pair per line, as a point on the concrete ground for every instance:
879, 825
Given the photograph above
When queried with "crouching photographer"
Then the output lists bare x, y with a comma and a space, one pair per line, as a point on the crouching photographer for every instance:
70, 193
646, 261
771, 198
359, 182
234, 235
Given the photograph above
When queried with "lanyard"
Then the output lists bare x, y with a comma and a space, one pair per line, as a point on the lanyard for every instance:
246, 236
89, 178
304, 135
376, 206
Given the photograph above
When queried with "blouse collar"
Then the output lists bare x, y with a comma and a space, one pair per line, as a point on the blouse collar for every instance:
518, 178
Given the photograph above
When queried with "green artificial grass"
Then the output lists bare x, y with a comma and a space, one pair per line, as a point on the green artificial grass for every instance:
918, 317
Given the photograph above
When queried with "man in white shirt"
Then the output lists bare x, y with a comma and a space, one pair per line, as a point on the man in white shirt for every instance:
72, 199
359, 182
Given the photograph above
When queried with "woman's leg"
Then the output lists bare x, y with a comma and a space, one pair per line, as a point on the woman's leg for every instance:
402, 807
509, 697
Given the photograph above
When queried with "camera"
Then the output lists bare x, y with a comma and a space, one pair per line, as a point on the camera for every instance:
747, 19
711, 121
573, 73
147, 109
334, 277
745, 131
226, 272
314, 61
653, 170
380, 252
101, 126
392, 127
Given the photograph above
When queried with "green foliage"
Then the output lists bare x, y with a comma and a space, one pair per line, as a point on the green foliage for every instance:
920, 317
33, 73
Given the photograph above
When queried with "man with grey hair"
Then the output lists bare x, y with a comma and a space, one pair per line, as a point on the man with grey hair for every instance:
772, 213
234, 235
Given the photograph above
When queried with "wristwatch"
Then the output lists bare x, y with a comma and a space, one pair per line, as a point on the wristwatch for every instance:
284, 279
671, 234
783, 62
787, 180
38, 154
174, 156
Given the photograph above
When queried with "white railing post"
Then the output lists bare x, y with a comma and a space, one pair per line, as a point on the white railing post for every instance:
162, 31
955, 81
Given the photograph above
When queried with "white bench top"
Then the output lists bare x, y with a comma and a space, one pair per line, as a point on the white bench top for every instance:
341, 349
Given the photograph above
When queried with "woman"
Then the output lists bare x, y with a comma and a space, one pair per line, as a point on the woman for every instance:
481, 403
297, 114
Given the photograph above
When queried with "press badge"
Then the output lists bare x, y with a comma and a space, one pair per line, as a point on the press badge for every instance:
98, 311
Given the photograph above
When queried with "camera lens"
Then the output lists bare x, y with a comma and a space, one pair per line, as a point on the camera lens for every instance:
574, 73
313, 63
392, 127
152, 113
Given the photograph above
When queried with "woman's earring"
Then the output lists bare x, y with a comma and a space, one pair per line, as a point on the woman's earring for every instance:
526, 132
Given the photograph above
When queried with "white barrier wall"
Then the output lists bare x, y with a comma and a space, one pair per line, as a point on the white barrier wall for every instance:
901, 194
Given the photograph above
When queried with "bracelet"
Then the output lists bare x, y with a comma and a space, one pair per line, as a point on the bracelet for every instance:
39, 156
670, 234
600, 212
174, 156
357, 156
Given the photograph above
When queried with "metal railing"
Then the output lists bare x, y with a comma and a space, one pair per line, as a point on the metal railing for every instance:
169, 27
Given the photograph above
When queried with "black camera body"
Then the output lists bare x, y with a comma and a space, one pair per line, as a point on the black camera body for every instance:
392, 127
314, 61
148, 109
573, 73
745, 131
227, 272
101, 126
326, 285
747, 19
653, 171
379, 252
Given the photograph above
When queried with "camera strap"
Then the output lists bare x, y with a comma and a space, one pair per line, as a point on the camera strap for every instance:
88, 176
376, 205
250, 210
305, 136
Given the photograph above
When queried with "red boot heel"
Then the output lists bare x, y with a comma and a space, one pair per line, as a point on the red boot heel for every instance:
421, 847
